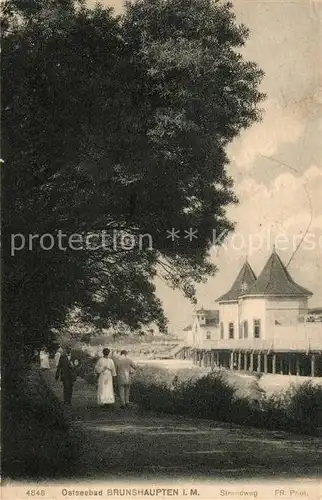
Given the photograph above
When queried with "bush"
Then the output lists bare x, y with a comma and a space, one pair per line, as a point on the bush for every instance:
149, 375
151, 389
209, 397
203, 396
213, 396
38, 441
299, 408
305, 403
86, 366
154, 397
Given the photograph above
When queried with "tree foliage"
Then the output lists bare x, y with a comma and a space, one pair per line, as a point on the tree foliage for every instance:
116, 123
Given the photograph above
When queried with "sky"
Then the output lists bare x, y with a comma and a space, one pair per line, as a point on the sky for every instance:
276, 164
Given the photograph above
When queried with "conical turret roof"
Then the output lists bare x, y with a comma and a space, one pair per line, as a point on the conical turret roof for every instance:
244, 281
276, 280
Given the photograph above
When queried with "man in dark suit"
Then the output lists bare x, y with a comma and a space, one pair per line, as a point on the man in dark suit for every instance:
66, 372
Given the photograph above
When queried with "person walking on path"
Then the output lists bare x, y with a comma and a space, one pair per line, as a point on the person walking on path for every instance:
123, 369
57, 355
44, 359
105, 369
66, 372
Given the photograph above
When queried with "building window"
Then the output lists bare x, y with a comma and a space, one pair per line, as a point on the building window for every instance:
231, 330
208, 336
257, 328
245, 328
221, 330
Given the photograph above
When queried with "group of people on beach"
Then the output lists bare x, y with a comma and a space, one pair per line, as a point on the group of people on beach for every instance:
107, 369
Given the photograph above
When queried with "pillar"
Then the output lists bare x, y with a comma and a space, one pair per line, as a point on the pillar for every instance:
312, 365
231, 361
259, 363
245, 361
297, 363
281, 365
274, 364
251, 366
265, 363
239, 361
290, 364
218, 358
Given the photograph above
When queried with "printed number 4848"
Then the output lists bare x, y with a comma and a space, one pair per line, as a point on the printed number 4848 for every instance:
36, 493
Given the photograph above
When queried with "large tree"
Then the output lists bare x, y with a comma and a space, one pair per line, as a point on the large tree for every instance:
116, 123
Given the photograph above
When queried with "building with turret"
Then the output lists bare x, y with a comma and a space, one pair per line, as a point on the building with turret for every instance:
230, 303
204, 327
261, 325
254, 307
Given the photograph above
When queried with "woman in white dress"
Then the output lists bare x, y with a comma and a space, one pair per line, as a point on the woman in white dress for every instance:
44, 359
105, 368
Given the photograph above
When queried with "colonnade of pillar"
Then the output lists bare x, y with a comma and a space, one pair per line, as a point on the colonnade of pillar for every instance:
295, 363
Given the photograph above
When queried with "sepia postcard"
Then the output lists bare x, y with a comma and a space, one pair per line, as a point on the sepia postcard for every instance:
161, 249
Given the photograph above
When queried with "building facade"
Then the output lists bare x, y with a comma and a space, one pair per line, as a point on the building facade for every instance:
204, 327
261, 325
